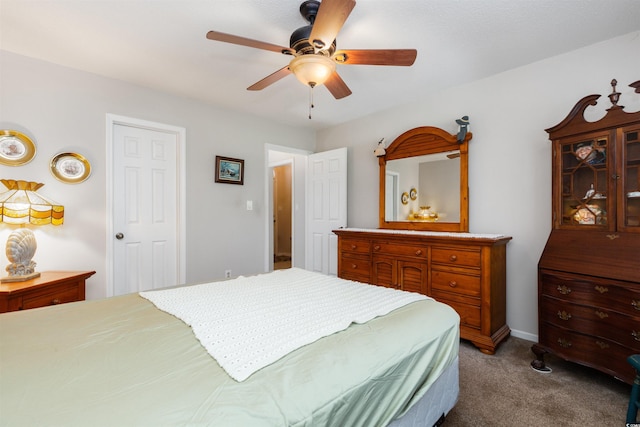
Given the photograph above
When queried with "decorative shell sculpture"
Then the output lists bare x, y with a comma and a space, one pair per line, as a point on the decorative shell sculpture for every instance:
21, 246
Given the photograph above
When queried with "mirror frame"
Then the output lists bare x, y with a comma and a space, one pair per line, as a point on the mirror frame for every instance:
418, 142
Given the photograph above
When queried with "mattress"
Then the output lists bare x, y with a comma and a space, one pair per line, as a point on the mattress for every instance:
122, 361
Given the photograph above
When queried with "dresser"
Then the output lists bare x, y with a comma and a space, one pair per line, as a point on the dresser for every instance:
466, 271
51, 288
589, 271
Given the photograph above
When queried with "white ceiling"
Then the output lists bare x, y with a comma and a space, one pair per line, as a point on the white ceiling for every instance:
161, 44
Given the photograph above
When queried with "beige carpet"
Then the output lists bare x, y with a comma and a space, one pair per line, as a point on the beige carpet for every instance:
503, 390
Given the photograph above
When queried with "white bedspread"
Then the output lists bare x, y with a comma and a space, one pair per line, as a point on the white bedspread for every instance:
250, 322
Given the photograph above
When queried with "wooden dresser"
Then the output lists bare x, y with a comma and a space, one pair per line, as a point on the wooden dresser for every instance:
465, 271
589, 271
51, 288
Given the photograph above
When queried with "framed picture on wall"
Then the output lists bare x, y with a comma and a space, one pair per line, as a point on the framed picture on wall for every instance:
229, 171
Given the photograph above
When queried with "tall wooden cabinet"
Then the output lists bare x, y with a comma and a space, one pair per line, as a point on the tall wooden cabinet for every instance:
589, 271
466, 271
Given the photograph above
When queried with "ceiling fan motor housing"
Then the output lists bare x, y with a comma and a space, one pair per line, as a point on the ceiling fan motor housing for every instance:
299, 40
300, 43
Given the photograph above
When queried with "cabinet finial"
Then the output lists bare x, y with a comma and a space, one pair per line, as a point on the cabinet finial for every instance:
614, 96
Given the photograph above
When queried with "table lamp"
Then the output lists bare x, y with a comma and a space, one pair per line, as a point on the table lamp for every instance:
21, 205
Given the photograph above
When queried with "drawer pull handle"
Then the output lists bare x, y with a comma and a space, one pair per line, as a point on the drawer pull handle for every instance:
376, 247
635, 335
453, 258
601, 289
56, 301
353, 247
602, 345
563, 315
453, 283
613, 236
601, 314
564, 290
564, 343
419, 252
635, 304
353, 266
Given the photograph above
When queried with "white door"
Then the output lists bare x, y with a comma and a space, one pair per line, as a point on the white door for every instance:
147, 230
326, 208
392, 196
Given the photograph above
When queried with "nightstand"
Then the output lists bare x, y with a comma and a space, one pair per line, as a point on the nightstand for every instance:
51, 288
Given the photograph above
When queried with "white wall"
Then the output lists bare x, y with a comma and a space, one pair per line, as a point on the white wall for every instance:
63, 109
509, 155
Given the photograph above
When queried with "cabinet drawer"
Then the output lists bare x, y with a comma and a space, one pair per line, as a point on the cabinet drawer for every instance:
456, 256
396, 249
455, 282
595, 352
596, 321
623, 296
354, 246
469, 314
355, 268
50, 296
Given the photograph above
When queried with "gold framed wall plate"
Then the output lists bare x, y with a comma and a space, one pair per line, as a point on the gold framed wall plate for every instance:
71, 168
413, 194
16, 148
404, 198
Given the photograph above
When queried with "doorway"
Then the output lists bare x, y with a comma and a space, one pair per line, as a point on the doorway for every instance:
276, 156
282, 216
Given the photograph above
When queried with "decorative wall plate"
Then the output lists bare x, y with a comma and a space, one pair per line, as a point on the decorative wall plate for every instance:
16, 148
71, 168
413, 194
404, 198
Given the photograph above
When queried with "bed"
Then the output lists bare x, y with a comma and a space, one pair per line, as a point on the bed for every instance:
125, 361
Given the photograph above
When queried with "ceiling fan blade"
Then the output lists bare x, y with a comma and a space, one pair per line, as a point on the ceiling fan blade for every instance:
243, 41
399, 57
337, 86
330, 18
270, 79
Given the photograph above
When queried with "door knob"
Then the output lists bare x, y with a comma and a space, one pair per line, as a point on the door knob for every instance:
119, 236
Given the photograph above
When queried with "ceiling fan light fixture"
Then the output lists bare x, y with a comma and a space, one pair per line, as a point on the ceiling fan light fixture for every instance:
312, 70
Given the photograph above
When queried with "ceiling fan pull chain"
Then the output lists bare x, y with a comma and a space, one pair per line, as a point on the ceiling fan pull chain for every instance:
310, 100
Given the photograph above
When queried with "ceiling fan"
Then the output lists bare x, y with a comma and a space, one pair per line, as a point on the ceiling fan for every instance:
314, 49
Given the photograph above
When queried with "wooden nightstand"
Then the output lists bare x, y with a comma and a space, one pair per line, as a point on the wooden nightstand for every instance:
51, 288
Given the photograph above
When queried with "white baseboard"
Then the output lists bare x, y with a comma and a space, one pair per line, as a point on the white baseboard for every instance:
524, 335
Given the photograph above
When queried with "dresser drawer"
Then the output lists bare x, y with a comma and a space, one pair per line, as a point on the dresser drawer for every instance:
51, 295
356, 268
624, 296
458, 283
596, 321
595, 352
456, 256
354, 246
394, 249
469, 314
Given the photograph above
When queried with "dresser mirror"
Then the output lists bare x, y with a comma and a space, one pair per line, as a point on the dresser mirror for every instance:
423, 182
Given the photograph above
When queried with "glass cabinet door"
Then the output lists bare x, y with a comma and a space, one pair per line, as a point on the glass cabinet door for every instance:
629, 216
586, 187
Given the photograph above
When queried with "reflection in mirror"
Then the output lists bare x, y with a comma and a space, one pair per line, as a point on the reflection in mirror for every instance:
437, 180
429, 165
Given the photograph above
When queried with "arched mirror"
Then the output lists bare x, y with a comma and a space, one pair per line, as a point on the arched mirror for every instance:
424, 182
